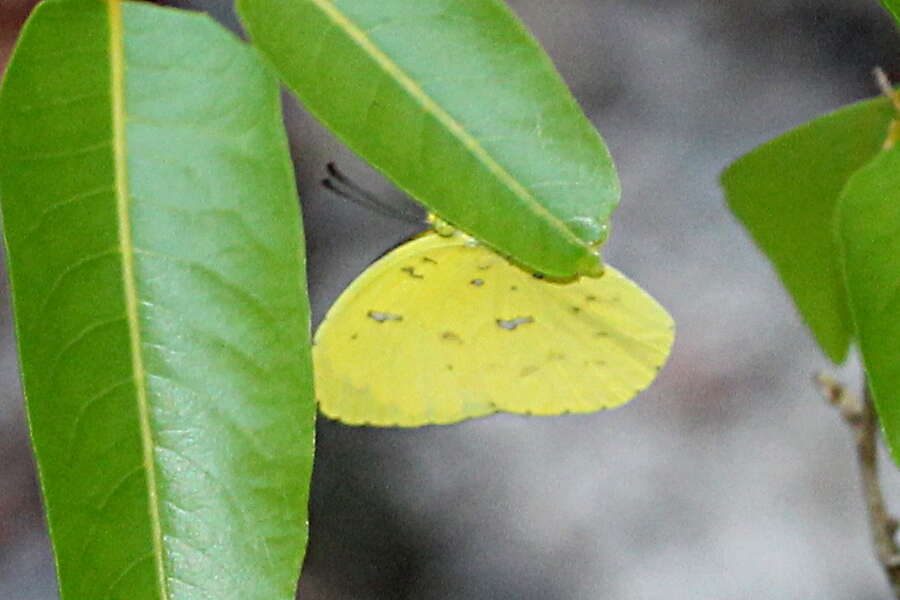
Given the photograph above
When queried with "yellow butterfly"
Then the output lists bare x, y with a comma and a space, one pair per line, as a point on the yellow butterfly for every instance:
442, 329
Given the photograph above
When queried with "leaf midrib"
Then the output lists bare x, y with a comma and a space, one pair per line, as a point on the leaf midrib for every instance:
129, 284
429, 105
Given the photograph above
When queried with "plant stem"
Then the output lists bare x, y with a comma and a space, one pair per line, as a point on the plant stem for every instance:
861, 417
881, 525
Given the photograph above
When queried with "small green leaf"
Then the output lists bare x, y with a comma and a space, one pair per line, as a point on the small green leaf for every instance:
893, 6
868, 226
785, 192
154, 247
458, 105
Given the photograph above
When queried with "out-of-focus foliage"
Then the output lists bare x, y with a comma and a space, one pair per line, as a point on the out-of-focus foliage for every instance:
785, 193
868, 219
822, 202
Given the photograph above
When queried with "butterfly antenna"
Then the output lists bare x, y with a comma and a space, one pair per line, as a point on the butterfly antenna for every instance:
343, 186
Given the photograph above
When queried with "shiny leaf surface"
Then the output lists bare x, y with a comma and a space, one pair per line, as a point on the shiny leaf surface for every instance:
154, 246
458, 105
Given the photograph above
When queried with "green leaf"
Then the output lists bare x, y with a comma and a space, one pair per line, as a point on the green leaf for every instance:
154, 248
868, 226
785, 192
459, 106
893, 6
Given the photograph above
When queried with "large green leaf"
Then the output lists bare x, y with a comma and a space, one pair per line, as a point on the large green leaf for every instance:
457, 103
154, 245
868, 225
785, 192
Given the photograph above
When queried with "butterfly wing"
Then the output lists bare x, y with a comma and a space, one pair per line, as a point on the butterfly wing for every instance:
440, 330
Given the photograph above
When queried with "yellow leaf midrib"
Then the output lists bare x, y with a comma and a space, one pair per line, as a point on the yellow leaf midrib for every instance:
429, 105
129, 284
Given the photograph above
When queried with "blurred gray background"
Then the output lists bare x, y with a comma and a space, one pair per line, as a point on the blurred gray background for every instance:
728, 479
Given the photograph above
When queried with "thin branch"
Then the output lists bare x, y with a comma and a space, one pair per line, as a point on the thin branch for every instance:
888, 91
860, 416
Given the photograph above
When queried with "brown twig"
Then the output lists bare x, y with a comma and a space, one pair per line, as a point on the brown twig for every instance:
860, 416
888, 91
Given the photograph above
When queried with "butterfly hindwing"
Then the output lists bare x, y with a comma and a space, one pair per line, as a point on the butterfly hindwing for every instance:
442, 329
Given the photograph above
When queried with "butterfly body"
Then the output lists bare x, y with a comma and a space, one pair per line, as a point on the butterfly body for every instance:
442, 329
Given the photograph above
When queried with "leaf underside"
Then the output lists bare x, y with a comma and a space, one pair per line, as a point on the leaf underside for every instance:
785, 193
154, 246
460, 107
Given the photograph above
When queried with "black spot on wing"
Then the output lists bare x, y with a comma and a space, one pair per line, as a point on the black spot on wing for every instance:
411, 271
512, 324
528, 370
513, 288
575, 309
477, 282
429, 260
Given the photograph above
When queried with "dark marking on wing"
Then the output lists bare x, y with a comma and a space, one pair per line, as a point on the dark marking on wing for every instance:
411, 271
354, 336
429, 260
590, 298
576, 309
512, 324
451, 337
383, 317
514, 288
601, 334
477, 282
449, 367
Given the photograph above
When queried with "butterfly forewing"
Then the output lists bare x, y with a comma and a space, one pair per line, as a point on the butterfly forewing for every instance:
441, 329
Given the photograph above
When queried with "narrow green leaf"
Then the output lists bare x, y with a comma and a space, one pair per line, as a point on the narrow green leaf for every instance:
457, 103
785, 192
893, 6
868, 230
155, 253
